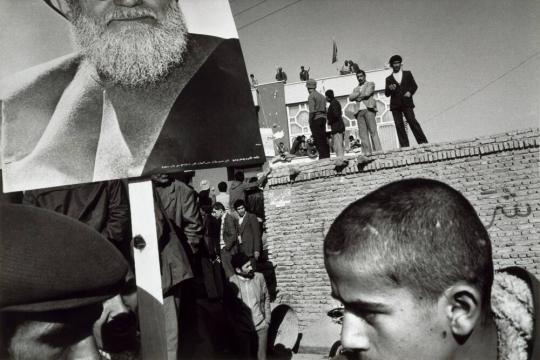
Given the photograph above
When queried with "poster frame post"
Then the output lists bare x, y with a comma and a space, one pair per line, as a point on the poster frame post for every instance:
147, 270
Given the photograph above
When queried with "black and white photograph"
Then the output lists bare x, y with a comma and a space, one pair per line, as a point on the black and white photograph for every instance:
270, 180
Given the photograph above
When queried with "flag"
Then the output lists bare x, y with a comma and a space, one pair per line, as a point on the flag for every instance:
334, 51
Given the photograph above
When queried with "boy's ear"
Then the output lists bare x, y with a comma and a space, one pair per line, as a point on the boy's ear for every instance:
462, 305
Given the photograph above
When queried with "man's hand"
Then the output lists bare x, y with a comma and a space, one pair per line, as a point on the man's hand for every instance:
407, 94
256, 255
392, 87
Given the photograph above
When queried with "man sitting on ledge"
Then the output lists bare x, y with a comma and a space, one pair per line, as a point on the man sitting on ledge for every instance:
412, 264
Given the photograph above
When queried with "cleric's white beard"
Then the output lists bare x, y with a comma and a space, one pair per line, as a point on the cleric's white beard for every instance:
137, 55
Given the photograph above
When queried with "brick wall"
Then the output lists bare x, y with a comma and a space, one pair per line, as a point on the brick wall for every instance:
498, 174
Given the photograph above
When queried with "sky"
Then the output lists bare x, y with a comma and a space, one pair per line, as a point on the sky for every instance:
476, 62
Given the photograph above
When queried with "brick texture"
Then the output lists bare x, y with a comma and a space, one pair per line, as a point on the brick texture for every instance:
498, 174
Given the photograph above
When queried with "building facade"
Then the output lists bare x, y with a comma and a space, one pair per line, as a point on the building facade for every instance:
295, 97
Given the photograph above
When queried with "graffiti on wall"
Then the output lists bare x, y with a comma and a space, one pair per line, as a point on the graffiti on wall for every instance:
510, 209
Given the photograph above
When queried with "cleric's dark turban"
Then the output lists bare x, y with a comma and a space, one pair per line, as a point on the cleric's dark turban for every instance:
395, 58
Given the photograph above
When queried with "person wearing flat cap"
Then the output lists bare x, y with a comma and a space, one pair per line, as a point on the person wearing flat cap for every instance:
400, 87
317, 118
140, 95
55, 273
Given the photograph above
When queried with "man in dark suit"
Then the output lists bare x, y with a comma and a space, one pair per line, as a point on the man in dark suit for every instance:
101, 205
400, 86
141, 96
249, 231
228, 239
179, 227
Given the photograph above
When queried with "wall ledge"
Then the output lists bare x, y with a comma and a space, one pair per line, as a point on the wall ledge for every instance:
425, 153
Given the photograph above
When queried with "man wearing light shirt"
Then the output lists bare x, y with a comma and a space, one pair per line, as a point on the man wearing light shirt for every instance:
400, 87
248, 303
365, 116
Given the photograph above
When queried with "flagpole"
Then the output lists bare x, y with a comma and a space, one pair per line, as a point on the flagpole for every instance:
334, 51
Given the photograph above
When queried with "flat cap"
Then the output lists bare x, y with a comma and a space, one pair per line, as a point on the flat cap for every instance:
311, 83
395, 58
49, 261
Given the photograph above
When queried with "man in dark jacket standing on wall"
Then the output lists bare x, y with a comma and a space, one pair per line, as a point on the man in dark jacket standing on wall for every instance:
337, 126
317, 118
400, 86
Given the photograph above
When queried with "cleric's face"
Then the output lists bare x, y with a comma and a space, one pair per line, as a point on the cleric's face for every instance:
396, 66
131, 43
154, 11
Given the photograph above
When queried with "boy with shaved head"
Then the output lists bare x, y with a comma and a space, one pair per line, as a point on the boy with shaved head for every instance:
412, 264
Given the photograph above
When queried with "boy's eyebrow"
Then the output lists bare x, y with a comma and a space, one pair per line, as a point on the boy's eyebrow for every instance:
362, 305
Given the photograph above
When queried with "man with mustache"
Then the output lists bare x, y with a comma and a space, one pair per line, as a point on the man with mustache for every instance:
248, 303
140, 94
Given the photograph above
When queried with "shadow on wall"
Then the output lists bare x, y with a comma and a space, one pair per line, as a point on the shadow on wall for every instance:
283, 336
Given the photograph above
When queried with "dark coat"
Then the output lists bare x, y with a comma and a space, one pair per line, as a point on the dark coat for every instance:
179, 229
181, 206
397, 100
103, 206
250, 235
210, 245
255, 202
211, 269
230, 232
334, 115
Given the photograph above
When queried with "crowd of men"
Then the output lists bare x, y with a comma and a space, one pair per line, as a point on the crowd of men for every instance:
411, 262
210, 247
400, 86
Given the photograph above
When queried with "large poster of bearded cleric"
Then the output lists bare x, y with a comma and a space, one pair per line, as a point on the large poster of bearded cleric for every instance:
150, 86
